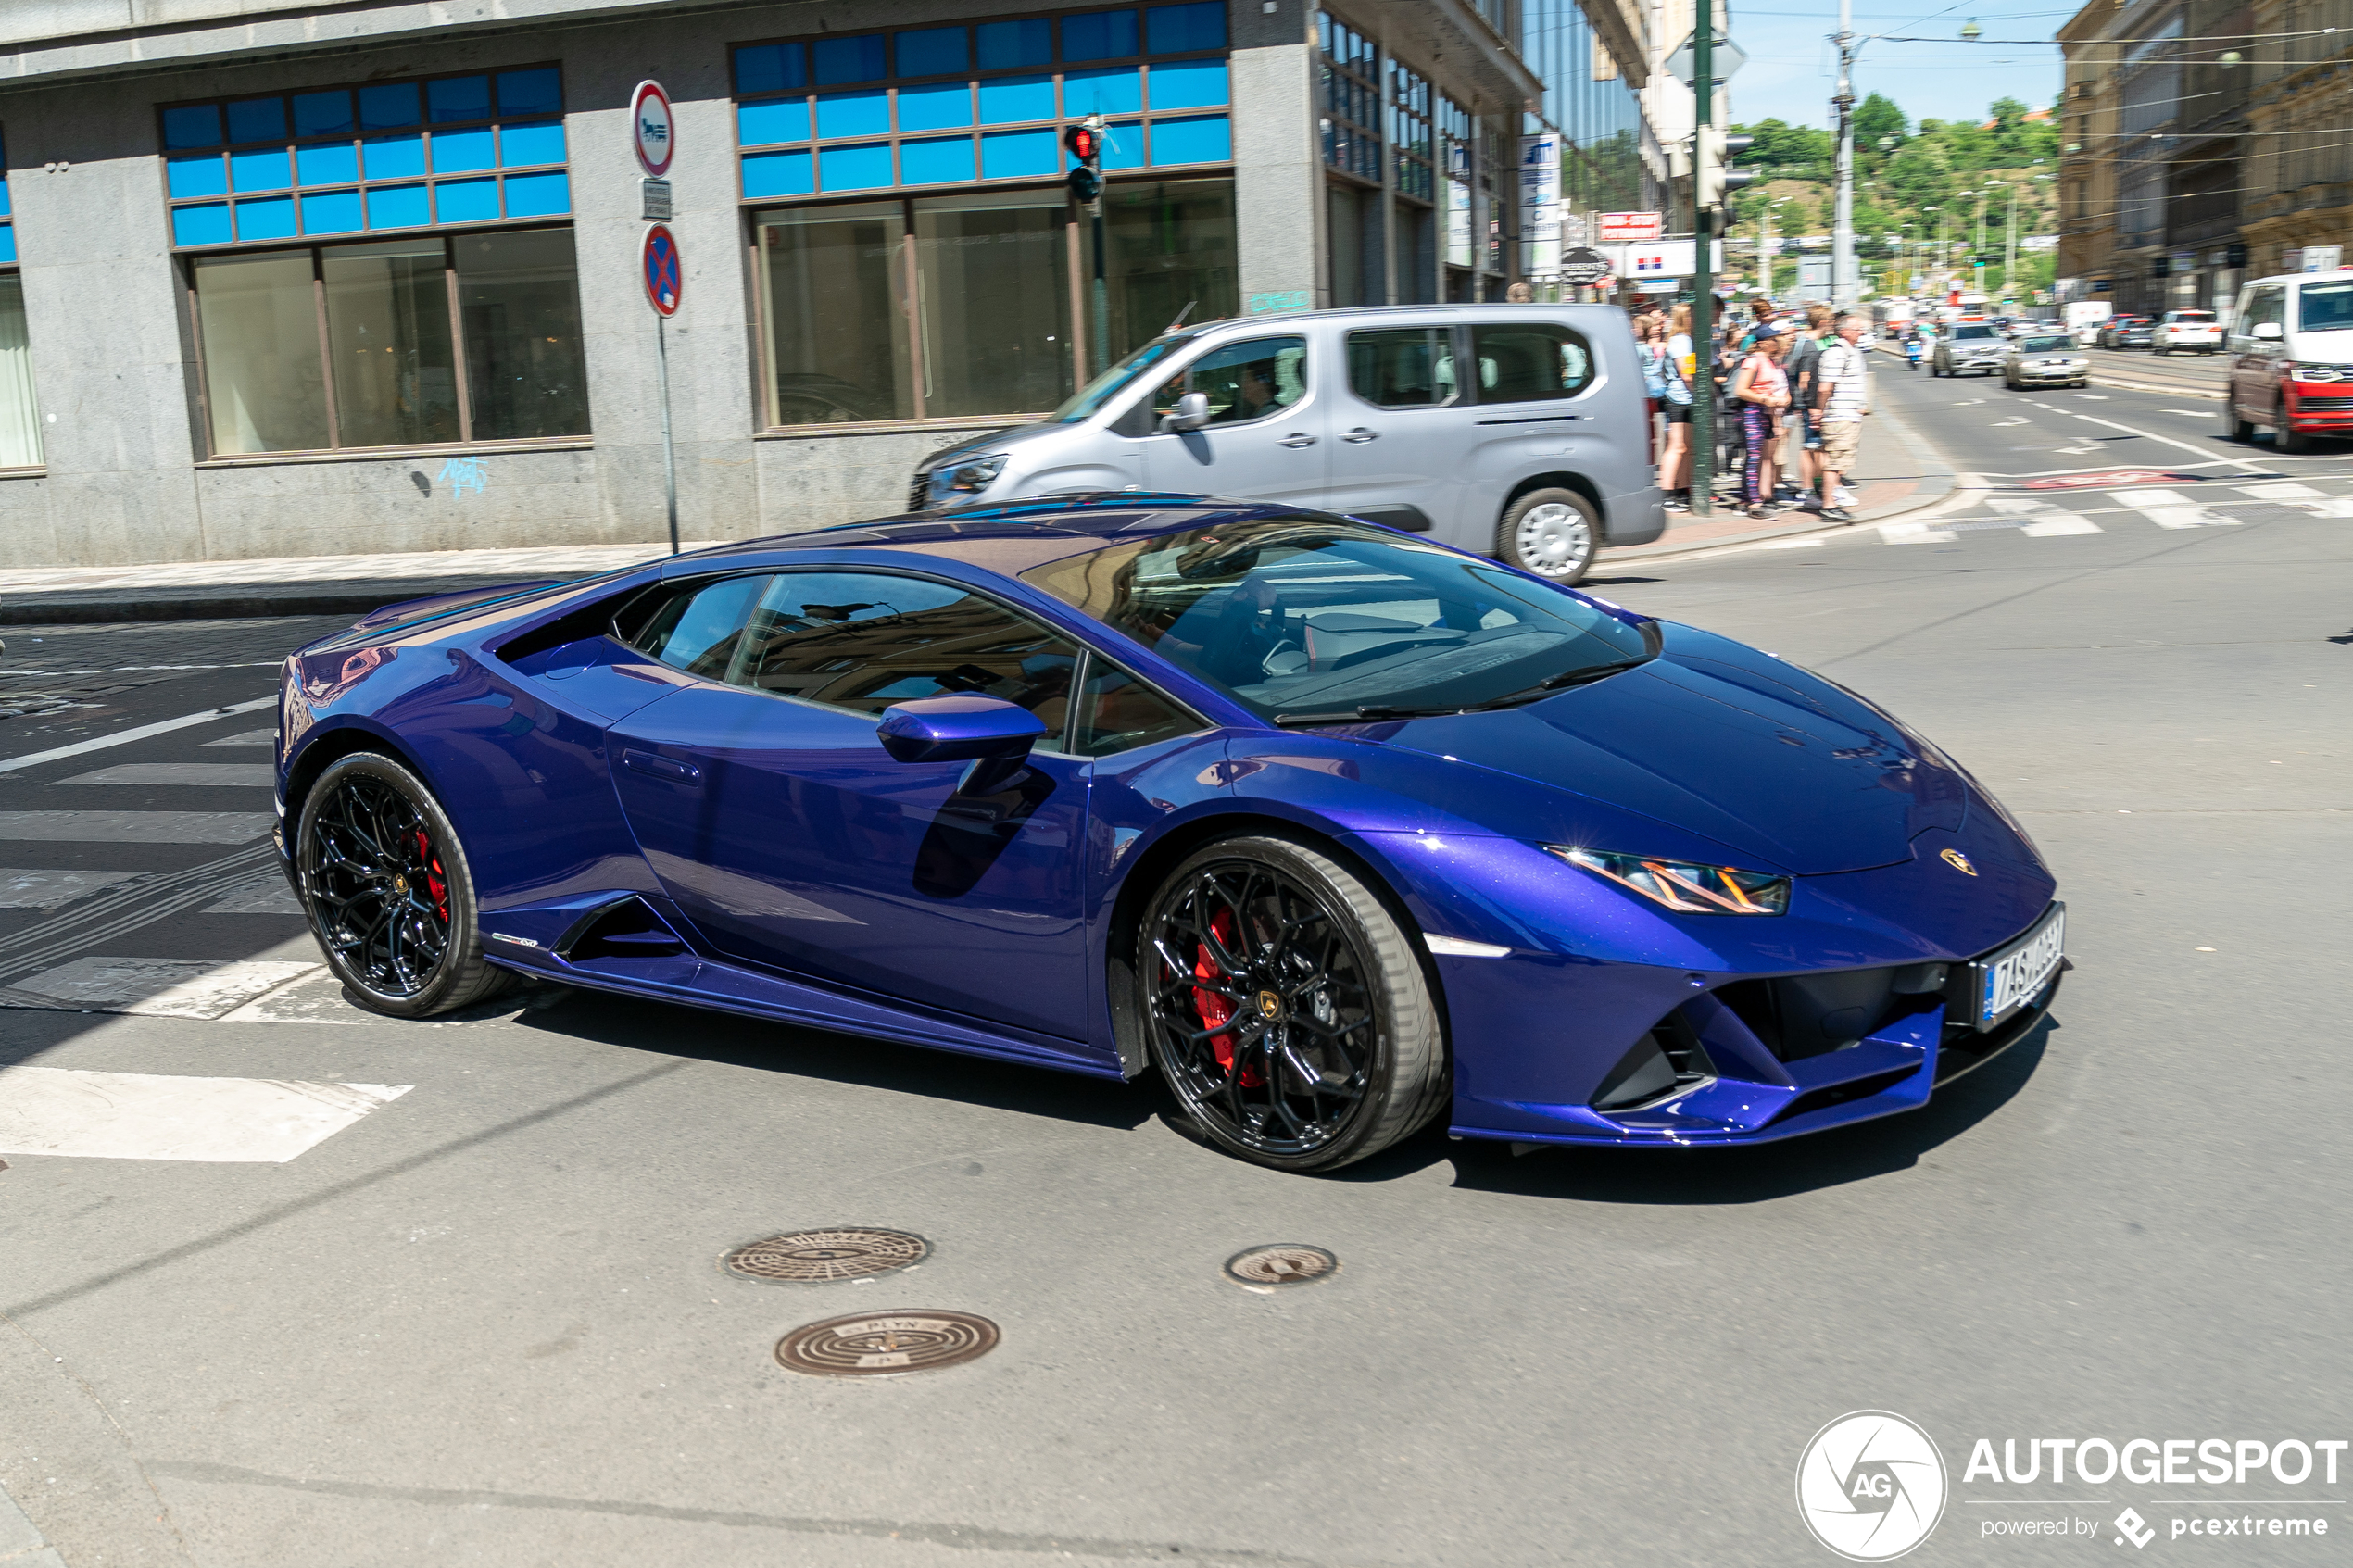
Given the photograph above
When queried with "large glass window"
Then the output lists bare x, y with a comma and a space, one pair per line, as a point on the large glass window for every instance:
330, 348
833, 285
992, 276
375, 156
7, 216
19, 409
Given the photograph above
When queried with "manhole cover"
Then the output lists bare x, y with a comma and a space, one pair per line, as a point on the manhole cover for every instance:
804, 1255
1283, 1263
878, 1343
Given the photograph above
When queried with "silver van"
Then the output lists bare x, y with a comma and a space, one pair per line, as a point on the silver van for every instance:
1539, 457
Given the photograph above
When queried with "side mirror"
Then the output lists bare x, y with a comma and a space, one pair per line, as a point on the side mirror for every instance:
958, 729
2267, 330
1191, 413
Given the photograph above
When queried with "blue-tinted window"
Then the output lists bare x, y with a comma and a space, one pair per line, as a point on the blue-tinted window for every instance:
1205, 140
394, 157
1006, 155
1189, 84
943, 105
778, 120
202, 175
466, 201
1105, 90
204, 225
854, 168
1123, 145
1175, 30
398, 207
854, 114
259, 170
330, 212
538, 142
943, 162
1007, 99
323, 114
197, 125
770, 67
835, 60
458, 152
531, 92
273, 218
328, 163
388, 106
1099, 35
538, 196
1006, 45
257, 120
933, 52
778, 174
457, 98
8, 243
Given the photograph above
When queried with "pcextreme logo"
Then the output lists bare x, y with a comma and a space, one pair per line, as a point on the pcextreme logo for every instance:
1870, 1486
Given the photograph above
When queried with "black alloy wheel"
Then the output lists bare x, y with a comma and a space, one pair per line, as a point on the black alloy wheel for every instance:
1286, 1008
386, 885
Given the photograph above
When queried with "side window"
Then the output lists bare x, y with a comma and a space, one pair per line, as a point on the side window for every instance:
865, 640
1408, 367
1524, 361
1242, 381
698, 628
1117, 712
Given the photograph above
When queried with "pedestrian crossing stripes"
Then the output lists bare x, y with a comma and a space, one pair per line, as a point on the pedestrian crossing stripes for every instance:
136, 827
215, 775
86, 1115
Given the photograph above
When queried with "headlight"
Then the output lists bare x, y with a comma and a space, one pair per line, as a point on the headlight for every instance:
977, 474
1680, 885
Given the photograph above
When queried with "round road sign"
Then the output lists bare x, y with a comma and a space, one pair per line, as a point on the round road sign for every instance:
651, 127
665, 273
1584, 269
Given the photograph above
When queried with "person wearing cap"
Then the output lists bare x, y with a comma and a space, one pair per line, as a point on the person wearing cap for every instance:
1760, 389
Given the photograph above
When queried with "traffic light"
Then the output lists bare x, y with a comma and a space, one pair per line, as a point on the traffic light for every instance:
1084, 142
1714, 180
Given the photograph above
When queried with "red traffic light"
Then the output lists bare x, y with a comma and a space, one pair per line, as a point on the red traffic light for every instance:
1084, 145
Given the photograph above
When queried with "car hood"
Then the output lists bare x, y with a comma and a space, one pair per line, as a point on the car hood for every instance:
1788, 770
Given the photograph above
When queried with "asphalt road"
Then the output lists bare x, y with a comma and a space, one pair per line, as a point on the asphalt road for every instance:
483, 1322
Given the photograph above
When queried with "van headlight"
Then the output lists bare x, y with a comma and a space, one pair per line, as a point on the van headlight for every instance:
974, 476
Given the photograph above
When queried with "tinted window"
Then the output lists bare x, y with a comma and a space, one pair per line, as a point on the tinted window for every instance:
698, 628
2044, 345
2325, 308
1975, 329
1242, 381
1103, 388
1407, 368
865, 640
1528, 360
1298, 616
1117, 712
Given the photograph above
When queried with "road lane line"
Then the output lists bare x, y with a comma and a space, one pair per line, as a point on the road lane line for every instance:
88, 1115
123, 737
2205, 452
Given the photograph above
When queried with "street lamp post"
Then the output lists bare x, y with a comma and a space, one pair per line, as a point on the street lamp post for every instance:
1977, 251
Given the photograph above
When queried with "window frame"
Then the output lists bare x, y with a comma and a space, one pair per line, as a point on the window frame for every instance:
1088, 652
466, 443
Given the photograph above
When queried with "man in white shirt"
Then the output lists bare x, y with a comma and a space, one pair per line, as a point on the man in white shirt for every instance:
1844, 381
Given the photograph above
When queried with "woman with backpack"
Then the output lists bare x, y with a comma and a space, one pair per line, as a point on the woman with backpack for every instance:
1678, 364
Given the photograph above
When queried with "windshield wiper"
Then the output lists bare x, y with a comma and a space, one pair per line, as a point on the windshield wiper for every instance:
1546, 687
1559, 683
1369, 713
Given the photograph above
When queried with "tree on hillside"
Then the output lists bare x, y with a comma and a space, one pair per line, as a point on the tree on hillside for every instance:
1879, 117
1780, 144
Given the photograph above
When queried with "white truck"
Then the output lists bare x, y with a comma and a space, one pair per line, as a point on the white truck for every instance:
2085, 316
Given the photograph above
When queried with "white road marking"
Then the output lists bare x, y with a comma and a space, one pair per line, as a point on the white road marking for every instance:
317, 999
136, 827
2149, 498
154, 988
2003, 424
2205, 452
2193, 413
1913, 533
89, 1115
271, 897
234, 774
120, 737
46, 890
2170, 508
2333, 505
251, 737
2019, 506
2279, 492
1792, 544
2059, 523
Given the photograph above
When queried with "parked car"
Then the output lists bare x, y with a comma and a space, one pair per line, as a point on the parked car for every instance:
2193, 332
1969, 346
2291, 348
2047, 359
1538, 455
1340, 832
2126, 331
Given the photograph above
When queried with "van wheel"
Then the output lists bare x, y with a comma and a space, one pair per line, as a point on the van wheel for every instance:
2234, 428
1550, 533
2295, 443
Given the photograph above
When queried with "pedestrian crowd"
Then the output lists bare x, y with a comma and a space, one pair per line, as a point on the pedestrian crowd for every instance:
1788, 396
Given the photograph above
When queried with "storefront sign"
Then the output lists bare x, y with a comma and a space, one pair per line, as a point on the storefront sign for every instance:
1540, 204
2312, 258
649, 128
1625, 228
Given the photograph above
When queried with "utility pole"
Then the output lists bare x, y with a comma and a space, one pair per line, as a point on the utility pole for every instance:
2010, 251
1703, 262
1977, 251
1764, 251
1843, 224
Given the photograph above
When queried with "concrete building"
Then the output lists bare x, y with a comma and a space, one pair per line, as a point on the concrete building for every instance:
304, 279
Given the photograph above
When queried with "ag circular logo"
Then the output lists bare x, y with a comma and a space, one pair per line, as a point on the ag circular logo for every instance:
1870, 1486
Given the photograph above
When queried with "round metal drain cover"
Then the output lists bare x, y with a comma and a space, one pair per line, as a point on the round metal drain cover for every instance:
810, 1256
878, 1343
1286, 1262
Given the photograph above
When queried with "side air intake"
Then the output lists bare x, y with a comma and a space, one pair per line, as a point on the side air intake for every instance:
627, 928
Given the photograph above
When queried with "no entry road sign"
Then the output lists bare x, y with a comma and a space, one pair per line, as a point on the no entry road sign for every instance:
665, 273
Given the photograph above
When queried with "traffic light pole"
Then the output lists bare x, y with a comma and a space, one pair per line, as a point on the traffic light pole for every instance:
1702, 269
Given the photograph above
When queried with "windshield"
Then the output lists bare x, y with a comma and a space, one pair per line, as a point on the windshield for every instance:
2327, 307
2044, 345
1306, 619
1103, 388
1964, 334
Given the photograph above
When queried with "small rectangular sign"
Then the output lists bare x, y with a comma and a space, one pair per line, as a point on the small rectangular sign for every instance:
655, 195
1627, 227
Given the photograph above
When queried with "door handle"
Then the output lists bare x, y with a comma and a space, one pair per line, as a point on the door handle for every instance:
1296, 441
656, 767
1360, 436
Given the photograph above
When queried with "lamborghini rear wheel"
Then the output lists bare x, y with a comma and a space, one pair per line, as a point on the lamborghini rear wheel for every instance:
1287, 1006
391, 899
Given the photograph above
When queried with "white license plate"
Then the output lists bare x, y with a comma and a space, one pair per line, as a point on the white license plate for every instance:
2016, 975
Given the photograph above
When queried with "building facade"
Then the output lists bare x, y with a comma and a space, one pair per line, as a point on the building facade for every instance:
283, 279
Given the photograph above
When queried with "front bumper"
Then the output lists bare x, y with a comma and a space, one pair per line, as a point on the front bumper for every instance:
2044, 375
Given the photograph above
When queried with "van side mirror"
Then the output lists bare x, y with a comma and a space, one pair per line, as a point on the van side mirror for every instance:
2267, 330
1191, 413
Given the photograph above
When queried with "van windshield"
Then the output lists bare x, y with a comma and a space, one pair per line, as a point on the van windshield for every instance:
1084, 403
2327, 307
1310, 619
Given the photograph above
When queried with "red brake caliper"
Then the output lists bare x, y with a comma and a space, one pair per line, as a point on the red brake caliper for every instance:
437, 883
1213, 1008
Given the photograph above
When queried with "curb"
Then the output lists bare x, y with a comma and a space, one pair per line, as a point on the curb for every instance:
234, 602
